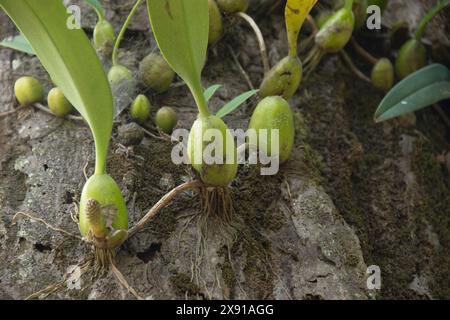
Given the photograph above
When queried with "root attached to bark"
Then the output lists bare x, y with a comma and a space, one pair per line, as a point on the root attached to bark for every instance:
216, 217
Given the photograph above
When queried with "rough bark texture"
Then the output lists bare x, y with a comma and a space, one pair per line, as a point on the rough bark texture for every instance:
354, 193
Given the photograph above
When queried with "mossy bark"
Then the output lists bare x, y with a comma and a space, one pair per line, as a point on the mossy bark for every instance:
353, 194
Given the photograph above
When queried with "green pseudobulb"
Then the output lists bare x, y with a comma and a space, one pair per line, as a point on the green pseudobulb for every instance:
283, 79
28, 90
58, 103
274, 113
155, 73
166, 119
336, 32
214, 174
118, 74
215, 22
104, 37
383, 75
411, 57
106, 192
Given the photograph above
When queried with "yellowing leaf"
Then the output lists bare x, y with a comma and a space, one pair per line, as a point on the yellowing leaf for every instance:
295, 14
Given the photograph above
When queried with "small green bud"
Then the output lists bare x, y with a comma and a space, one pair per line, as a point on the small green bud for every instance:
216, 174
336, 32
383, 75
155, 72
140, 108
233, 6
28, 90
283, 79
411, 57
58, 103
215, 22
274, 113
119, 73
104, 37
166, 119
102, 193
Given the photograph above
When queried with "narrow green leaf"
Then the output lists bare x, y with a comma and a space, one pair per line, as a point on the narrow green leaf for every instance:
97, 7
236, 102
71, 61
19, 43
181, 30
211, 91
411, 85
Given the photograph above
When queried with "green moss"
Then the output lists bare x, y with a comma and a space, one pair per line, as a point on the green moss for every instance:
143, 177
228, 274
183, 285
310, 159
255, 218
257, 269
434, 207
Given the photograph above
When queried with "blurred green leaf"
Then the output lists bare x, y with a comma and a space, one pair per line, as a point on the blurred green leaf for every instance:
236, 102
71, 61
181, 30
209, 93
421, 89
441, 4
19, 43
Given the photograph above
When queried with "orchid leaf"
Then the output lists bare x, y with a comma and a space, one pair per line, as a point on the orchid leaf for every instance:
209, 93
71, 61
423, 88
19, 43
181, 30
236, 102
